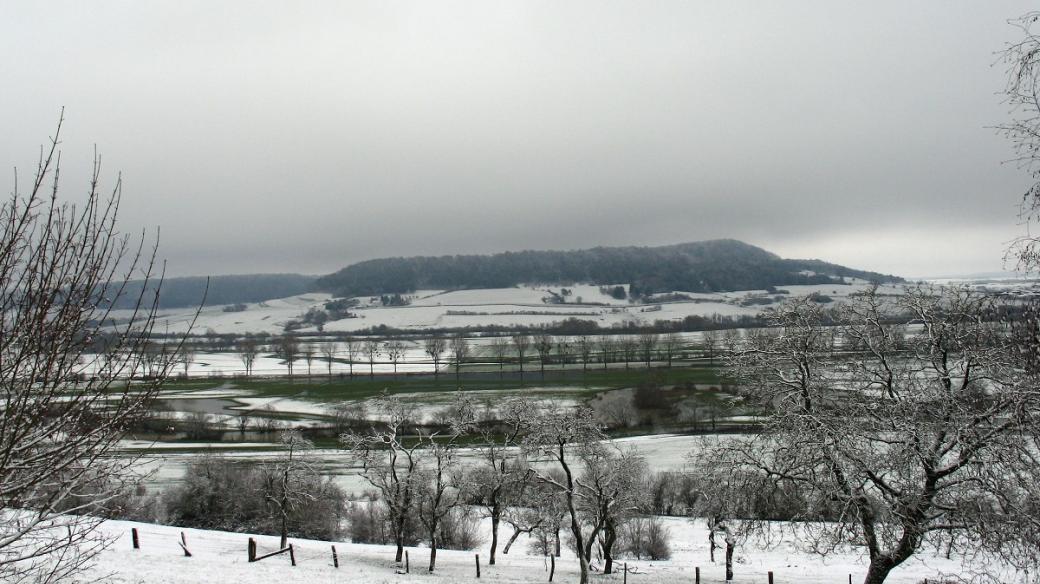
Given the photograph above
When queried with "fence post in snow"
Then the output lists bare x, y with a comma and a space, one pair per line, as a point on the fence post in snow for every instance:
770, 577
552, 566
133, 536
292, 555
407, 568
184, 545
626, 573
697, 575
335, 558
477, 558
251, 550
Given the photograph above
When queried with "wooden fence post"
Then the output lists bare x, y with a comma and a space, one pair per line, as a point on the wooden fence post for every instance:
477, 558
697, 575
251, 550
407, 569
184, 545
133, 536
335, 558
292, 555
626, 573
770, 577
552, 566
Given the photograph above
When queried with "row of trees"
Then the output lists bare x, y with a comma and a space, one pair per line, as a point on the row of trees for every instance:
518, 349
590, 491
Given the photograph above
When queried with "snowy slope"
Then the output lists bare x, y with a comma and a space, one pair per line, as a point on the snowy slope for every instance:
221, 557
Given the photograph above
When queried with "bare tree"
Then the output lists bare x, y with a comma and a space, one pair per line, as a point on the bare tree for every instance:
500, 350
389, 462
543, 345
248, 350
521, 343
583, 344
186, 355
307, 351
1022, 94
607, 348
284, 488
329, 350
394, 350
916, 442
62, 269
612, 491
459, 348
560, 435
440, 482
732, 340
354, 348
435, 346
563, 350
710, 344
647, 346
537, 509
671, 343
628, 347
502, 473
371, 348
289, 350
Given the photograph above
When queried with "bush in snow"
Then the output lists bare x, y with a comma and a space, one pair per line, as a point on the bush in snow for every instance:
645, 538
459, 530
219, 494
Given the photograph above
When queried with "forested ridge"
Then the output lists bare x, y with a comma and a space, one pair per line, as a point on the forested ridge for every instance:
706, 266
233, 289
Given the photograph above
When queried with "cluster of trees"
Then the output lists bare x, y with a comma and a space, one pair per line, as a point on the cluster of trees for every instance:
707, 266
905, 438
283, 496
591, 491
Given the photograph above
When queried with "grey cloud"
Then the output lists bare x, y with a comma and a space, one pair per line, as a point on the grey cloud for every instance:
277, 137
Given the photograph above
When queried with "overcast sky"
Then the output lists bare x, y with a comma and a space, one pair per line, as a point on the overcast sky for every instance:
300, 137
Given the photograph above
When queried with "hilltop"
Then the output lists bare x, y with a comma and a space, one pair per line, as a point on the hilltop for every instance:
721, 265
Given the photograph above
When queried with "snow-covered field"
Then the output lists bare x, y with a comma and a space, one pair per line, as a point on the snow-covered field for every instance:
221, 557
521, 305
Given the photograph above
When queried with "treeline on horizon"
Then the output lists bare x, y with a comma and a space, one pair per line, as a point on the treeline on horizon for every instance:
215, 290
707, 266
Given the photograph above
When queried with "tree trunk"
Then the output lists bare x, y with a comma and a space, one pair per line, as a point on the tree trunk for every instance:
285, 533
711, 544
609, 537
583, 561
495, 517
512, 538
433, 552
877, 572
729, 561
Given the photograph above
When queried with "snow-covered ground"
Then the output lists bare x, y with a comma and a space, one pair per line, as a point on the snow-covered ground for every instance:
521, 305
221, 557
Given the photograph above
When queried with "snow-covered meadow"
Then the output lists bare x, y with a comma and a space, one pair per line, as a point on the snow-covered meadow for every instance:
521, 305
221, 557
